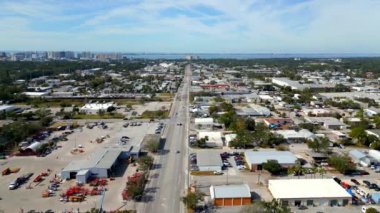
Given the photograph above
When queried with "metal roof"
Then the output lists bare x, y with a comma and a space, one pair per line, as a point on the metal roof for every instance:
306, 188
206, 158
230, 191
103, 158
259, 157
357, 154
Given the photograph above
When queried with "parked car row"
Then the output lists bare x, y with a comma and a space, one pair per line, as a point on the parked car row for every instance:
159, 128
225, 157
239, 162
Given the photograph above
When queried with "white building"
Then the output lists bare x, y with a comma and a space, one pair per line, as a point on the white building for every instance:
214, 138
203, 122
293, 136
93, 108
309, 192
372, 111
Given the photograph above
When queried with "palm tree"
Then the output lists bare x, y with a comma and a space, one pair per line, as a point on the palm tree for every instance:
314, 171
321, 171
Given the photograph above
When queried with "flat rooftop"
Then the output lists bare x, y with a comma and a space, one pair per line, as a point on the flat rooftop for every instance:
306, 188
205, 158
230, 191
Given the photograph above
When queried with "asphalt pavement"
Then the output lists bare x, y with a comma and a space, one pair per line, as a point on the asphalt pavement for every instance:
169, 176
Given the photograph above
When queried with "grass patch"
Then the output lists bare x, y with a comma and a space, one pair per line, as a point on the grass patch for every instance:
202, 173
159, 114
97, 116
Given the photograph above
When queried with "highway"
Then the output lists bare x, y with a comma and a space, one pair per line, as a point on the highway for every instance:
169, 177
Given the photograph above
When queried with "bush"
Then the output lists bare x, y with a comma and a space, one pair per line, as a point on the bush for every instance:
273, 167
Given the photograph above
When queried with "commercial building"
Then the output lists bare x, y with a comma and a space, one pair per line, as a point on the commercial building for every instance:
372, 111
93, 108
213, 139
6, 108
99, 164
309, 192
255, 159
293, 136
231, 195
209, 161
374, 132
327, 122
253, 111
203, 122
359, 157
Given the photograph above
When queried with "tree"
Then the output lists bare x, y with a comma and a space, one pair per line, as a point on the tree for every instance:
319, 144
145, 162
273, 167
359, 134
111, 109
152, 145
322, 171
371, 210
341, 163
266, 207
296, 170
191, 199
250, 124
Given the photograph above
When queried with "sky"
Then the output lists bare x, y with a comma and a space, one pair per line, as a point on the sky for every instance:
189, 26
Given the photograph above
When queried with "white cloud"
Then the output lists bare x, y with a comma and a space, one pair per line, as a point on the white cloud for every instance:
242, 26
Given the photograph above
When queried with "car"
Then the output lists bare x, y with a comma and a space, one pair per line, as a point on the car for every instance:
179, 124
366, 182
373, 186
337, 180
178, 151
126, 125
355, 181
302, 207
217, 173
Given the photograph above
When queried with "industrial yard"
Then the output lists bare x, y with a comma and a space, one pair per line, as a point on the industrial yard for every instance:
29, 195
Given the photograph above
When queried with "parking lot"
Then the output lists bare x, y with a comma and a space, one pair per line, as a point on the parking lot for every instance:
29, 195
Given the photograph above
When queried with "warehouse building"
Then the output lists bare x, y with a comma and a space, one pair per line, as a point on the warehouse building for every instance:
255, 159
231, 195
100, 164
309, 192
209, 161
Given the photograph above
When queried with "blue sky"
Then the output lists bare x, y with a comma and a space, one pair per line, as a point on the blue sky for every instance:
188, 26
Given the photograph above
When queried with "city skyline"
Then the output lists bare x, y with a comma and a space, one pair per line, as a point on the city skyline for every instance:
296, 26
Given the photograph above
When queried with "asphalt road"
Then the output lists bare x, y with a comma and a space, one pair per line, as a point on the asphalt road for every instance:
169, 176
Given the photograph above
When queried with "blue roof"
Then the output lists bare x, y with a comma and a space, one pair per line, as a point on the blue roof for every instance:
259, 157
356, 154
376, 197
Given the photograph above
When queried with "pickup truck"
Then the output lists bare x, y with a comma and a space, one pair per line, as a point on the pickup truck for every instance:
19, 181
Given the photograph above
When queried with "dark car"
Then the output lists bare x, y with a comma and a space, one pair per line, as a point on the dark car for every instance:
366, 182
355, 181
373, 186
337, 180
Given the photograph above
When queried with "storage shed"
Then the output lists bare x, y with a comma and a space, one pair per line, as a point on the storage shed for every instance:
231, 195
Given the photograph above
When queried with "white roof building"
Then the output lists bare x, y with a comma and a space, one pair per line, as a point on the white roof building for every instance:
95, 107
230, 191
296, 136
229, 137
308, 192
214, 138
